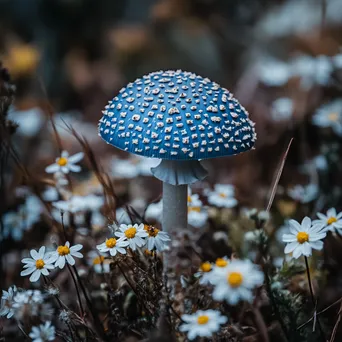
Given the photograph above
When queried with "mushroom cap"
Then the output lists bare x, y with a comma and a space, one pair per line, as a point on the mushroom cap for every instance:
177, 115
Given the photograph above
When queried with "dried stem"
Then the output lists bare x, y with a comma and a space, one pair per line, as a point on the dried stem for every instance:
77, 291
333, 334
314, 301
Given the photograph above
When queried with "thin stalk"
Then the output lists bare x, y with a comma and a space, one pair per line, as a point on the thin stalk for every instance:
333, 334
320, 312
96, 319
23, 332
77, 291
314, 301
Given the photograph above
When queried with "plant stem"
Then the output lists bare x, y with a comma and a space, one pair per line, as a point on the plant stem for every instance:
77, 291
314, 301
96, 319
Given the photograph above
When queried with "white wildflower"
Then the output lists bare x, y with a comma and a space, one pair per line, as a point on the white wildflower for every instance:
223, 196
6, 308
65, 163
331, 220
42, 333
114, 246
156, 239
39, 264
134, 234
304, 237
203, 323
237, 281
65, 253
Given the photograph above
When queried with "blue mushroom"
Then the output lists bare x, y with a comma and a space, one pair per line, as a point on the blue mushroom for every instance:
181, 118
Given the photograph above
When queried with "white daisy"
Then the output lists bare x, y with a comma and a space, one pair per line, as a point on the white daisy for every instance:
98, 261
156, 239
304, 194
204, 273
42, 333
223, 196
237, 281
135, 235
330, 115
202, 323
331, 220
6, 308
113, 246
66, 254
304, 237
65, 163
38, 265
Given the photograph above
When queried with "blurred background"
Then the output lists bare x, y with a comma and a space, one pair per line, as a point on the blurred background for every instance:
282, 59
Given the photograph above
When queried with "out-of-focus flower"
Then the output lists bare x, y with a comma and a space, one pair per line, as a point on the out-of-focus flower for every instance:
303, 237
204, 273
304, 194
29, 302
223, 196
80, 203
6, 308
312, 70
124, 168
156, 239
21, 59
114, 246
132, 167
154, 211
237, 281
330, 115
202, 323
50, 194
30, 121
15, 223
274, 72
197, 215
39, 264
331, 220
98, 262
65, 253
42, 333
134, 234
282, 109
65, 163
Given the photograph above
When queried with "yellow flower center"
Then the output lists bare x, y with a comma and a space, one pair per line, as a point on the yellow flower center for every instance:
333, 116
151, 230
40, 264
204, 319
331, 220
98, 260
189, 199
197, 209
223, 195
220, 262
63, 250
130, 233
62, 161
205, 267
302, 237
110, 243
235, 279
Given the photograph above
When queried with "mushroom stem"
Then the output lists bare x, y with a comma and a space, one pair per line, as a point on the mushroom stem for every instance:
175, 207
